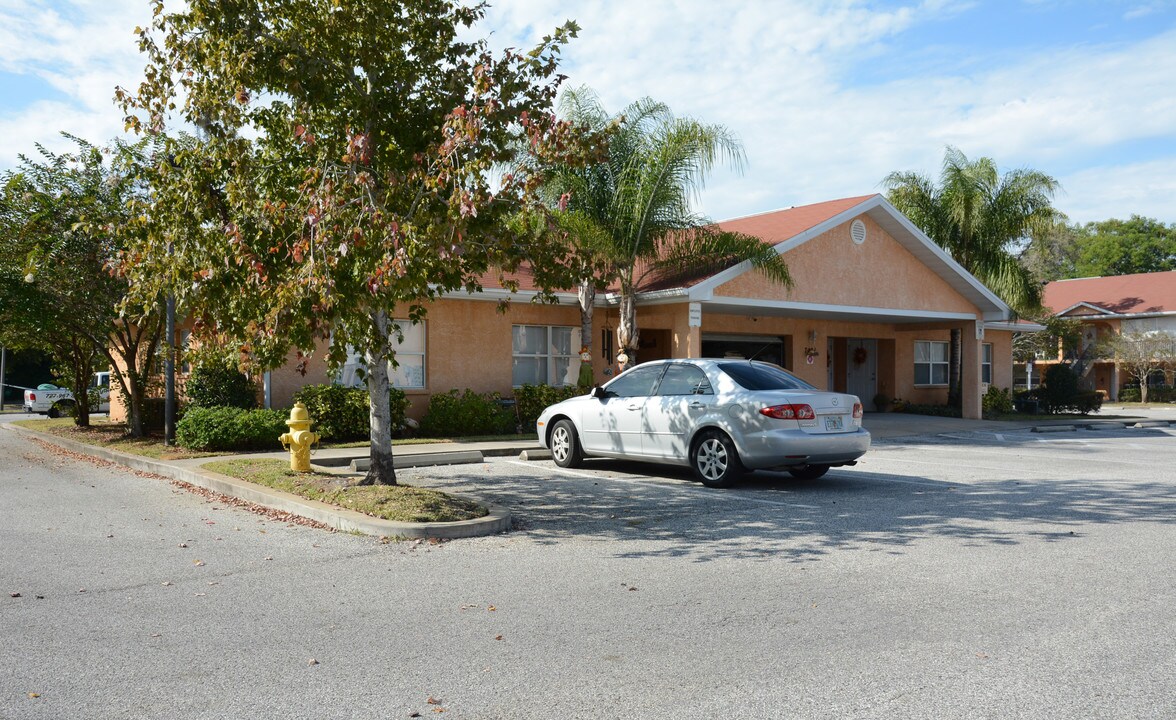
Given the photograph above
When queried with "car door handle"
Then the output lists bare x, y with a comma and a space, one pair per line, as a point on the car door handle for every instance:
697, 405
634, 407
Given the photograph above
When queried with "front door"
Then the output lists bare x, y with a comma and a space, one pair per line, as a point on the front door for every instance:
861, 368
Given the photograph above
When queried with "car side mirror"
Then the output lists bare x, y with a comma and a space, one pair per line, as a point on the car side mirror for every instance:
599, 393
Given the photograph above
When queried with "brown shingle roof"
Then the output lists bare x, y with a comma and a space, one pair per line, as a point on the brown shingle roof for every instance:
774, 227
780, 225
1120, 294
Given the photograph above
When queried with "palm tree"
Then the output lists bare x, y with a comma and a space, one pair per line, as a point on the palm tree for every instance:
978, 215
629, 215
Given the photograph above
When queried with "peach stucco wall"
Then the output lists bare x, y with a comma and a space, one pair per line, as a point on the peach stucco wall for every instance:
831, 269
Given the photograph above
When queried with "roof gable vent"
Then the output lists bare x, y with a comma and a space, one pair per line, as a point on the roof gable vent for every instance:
858, 231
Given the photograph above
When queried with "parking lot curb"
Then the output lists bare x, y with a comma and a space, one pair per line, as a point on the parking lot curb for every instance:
1054, 428
496, 520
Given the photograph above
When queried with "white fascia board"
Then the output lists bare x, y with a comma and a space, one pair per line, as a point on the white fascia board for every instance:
1014, 327
496, 294
657, 297
825, 309
944, 257
999, 311
1084, 304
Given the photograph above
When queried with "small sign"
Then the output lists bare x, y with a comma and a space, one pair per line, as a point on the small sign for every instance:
695, 316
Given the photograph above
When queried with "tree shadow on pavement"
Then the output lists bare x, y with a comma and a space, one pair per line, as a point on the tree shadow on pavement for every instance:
770, 515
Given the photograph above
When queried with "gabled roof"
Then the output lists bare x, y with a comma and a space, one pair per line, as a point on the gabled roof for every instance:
787, 229
1140, 294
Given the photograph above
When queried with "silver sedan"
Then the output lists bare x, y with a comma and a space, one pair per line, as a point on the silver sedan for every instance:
720, 417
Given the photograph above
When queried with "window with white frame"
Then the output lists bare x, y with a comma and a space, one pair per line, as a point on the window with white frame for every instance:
406, 372
930, 362
545, 355
986, 364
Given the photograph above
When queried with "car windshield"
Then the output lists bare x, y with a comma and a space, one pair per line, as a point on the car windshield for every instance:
763, 376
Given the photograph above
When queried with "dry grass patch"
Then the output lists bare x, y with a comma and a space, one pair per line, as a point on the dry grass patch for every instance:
402, 503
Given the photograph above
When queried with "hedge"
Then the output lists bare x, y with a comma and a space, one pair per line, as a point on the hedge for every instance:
230, 428
455, 414
343, 414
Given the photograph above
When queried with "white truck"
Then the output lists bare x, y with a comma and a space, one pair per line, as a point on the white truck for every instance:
48, 399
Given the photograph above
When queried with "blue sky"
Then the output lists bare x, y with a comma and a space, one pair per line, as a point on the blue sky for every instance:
827, 97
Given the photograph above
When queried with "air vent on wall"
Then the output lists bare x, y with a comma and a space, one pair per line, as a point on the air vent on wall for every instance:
858, 231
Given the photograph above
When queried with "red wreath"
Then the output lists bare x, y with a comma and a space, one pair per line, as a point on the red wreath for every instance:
859, 356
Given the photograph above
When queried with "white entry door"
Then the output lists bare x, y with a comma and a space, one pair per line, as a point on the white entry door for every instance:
861, 369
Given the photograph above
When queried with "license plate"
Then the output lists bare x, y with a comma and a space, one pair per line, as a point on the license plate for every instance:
833, 422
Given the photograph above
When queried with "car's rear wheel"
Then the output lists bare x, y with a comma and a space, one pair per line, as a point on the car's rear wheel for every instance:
809, 472
715, 460
565, 445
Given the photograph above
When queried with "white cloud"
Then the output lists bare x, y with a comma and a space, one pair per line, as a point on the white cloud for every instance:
784, 76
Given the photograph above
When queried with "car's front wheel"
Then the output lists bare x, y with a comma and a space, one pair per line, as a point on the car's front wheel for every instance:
715, 460
809, 472
565, 445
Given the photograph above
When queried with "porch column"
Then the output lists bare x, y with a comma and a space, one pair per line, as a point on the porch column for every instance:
693, 344
1113, 390
971, 354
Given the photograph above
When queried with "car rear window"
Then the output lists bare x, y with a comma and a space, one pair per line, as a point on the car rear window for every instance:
761, 376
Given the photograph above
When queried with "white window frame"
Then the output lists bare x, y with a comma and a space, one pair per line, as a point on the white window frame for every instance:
986, 356
932, 363
549, 355
401, 375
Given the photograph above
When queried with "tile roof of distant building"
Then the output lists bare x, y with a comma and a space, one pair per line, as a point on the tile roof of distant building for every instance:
1140, 294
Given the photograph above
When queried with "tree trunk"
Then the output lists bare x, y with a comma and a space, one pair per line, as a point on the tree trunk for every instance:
955, 396
382, 470
587, 295
627, 327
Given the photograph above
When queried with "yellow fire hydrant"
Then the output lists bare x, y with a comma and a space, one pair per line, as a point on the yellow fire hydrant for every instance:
299, 439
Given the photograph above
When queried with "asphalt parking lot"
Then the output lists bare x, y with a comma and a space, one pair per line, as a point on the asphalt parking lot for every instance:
974, 575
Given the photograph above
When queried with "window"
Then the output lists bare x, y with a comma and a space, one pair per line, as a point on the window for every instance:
930, 362
684, 380
762, 376
638, 382
408, 373
986, 364
545, 355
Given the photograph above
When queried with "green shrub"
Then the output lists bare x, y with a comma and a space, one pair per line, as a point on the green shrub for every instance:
936, 410
218, 383
997, 401
230, 428
1130, 394
1087, 401
531, 400
343, 414
469, 413
1059, 388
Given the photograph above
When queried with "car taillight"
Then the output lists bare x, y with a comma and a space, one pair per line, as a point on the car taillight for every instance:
789, 412
32, 397
857, 410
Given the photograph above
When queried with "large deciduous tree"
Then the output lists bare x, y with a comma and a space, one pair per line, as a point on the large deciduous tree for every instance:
629, 214
1125, 247
345, 173
979, 215
1140, 354
64, 219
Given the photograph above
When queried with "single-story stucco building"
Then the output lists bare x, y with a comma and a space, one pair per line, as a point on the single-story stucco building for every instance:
871, 311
